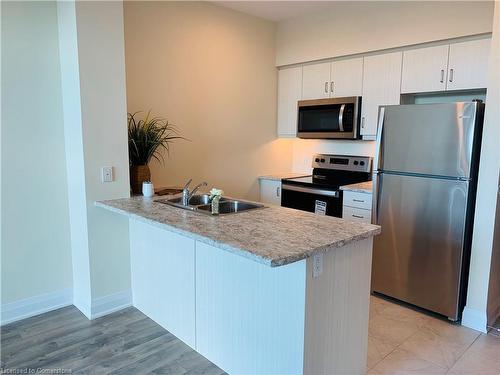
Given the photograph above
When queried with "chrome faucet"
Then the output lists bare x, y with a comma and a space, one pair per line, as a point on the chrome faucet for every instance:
186, 194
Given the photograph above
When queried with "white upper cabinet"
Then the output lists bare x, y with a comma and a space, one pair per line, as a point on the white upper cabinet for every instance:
333, 79
425, 69
381, 86
346, 78
468, 65
316, 81
289, 93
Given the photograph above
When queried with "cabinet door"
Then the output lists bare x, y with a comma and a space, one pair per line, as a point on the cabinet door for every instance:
270, 192
347, 78
381, 86
425, 69
316, 81
468, 65
289, 92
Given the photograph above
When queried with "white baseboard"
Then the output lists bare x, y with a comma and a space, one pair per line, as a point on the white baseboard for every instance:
474, 319
111, 303
28, 307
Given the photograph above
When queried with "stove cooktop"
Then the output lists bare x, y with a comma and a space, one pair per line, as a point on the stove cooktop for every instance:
332, 171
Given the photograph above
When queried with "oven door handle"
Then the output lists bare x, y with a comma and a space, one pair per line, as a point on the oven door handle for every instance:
302, 189
341, 118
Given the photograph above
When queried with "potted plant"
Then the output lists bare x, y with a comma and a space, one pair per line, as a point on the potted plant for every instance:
146, 139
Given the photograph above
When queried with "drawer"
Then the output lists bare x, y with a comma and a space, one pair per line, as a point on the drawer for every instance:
357, 214
358, 200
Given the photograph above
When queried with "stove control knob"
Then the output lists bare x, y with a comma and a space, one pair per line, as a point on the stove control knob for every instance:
361, 163
316, 160
322, 160
355, 162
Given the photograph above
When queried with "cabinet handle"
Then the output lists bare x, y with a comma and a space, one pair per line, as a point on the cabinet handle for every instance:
358, 200
363, 122
442, 76
326, 87
451, 75
359, 217
277, 191
331, 86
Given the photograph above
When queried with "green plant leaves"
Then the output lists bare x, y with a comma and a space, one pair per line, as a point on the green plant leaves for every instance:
147, 137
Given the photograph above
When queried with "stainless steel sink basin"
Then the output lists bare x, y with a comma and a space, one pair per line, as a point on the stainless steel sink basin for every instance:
201, 203
231, 206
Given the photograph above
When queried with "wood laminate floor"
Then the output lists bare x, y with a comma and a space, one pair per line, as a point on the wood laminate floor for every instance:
400, 341
126, 342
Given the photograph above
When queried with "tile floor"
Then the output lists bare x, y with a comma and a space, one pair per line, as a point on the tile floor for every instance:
404, 341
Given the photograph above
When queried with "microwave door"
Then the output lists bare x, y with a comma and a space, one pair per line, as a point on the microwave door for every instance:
328, 118
318, 120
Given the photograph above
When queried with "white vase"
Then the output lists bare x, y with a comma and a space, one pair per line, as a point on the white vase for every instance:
148, 189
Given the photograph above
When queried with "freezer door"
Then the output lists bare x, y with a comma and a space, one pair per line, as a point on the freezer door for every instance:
429, 139
417, 257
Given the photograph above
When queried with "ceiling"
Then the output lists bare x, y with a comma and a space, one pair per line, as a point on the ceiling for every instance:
275, 10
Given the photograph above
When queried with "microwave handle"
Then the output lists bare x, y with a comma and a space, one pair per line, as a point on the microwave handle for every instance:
341, 118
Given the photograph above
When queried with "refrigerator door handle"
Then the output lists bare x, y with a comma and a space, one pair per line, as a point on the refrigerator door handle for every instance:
378, 146
376, 196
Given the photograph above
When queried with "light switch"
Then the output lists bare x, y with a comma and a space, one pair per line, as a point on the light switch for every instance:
106, 174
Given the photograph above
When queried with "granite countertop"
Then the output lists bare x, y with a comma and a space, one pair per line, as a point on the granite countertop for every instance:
275, 236
279, 176
361, 187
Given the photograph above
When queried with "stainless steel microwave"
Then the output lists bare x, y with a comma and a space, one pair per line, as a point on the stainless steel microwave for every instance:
335, 118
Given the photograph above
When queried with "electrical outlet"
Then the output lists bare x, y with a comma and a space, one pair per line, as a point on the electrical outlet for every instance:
106, 174
317, 264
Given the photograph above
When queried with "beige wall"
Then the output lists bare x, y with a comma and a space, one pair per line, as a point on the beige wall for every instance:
356, 27
210, 71
35, 239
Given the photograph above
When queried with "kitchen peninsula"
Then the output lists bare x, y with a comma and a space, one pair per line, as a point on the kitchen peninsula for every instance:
266, 291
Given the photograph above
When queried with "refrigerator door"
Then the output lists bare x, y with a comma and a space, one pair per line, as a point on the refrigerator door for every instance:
428, 139
417, 257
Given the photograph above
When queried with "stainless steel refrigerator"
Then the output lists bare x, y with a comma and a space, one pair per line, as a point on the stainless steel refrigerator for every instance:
425, 178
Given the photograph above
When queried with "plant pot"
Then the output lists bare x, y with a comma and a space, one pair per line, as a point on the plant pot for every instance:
139, 174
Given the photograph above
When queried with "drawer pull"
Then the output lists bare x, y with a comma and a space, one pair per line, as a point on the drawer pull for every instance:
358, 200
359, 217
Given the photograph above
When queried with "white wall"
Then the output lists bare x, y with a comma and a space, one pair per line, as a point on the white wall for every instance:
475, 314
209, 70
36, 253
360, 26
93, 75
103, 97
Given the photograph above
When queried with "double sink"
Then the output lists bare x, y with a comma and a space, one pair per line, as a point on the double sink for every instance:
202, 203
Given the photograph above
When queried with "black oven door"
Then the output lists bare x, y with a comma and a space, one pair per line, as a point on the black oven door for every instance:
312, 199
329, 118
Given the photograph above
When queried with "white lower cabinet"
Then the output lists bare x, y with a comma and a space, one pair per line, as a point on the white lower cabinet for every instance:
357, 206
270, 191
163, 278
356, 214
